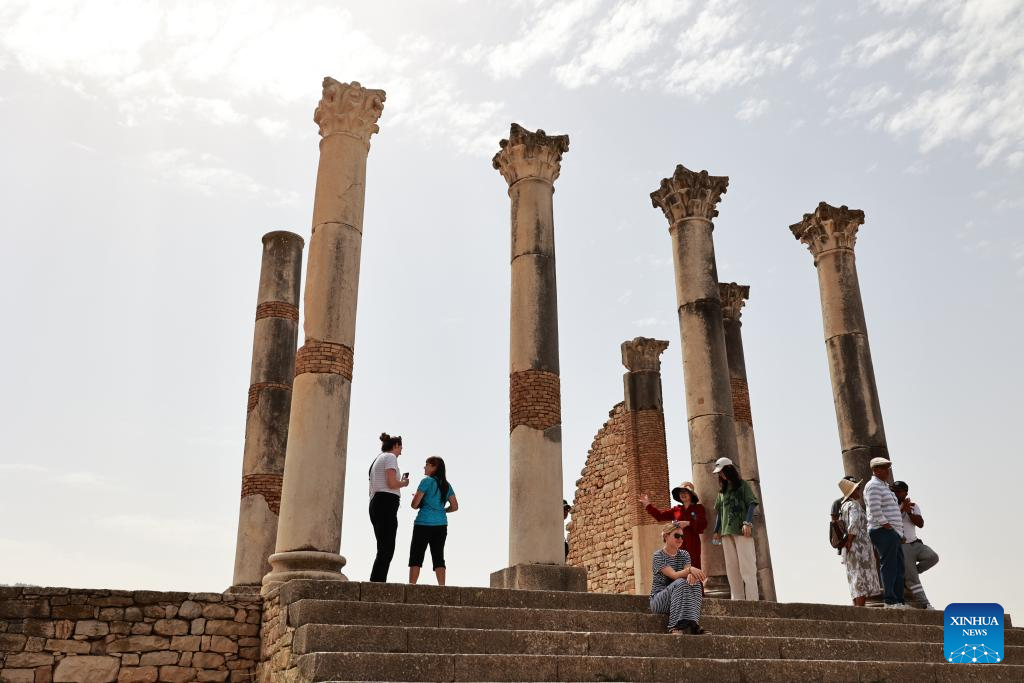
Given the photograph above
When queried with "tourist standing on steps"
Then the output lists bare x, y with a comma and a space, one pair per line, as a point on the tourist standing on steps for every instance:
858, 556
689, 513
435, 499
885, 527
917, 557
566, 510
677, 586
385, 485
735, 506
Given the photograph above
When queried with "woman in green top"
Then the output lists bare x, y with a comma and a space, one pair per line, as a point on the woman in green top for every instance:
735, 506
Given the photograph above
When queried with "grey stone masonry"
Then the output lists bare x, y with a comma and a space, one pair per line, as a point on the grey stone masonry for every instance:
312, 499
733, 298
830, 233
689, 200
530, 162
269, 406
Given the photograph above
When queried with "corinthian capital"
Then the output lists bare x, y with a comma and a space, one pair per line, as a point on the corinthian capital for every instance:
733, 298
829, 228
689, 194
643, 354
530, 155
350, 109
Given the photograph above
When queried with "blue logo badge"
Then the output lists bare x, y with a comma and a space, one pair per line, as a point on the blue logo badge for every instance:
973, 633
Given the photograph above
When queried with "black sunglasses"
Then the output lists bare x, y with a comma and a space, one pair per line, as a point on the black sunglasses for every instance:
679, 536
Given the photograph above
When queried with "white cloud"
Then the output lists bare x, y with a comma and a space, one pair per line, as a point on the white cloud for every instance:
879, 46
546, 37
210, 176
752, 109
630, 29
728, 68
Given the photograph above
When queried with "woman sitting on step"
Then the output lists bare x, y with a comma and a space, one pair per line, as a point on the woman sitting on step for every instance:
677, 588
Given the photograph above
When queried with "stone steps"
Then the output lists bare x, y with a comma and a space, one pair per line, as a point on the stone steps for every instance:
313, 638
338, 631
469, 667
565, 621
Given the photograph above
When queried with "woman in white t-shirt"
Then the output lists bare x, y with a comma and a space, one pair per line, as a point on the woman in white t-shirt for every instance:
385, 485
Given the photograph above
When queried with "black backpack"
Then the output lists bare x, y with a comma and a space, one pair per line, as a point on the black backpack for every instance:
837, 531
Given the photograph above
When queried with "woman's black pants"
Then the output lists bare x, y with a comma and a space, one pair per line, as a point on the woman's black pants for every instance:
384, 517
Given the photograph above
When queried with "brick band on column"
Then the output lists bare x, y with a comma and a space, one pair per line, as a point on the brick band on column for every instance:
324, 358
277, 309
740, 400
534, 399
255, 389
266, 485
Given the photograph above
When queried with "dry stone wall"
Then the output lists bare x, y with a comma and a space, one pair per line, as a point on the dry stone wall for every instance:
600, 538
63, 635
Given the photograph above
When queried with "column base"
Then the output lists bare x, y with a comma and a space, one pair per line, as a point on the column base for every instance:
541, 577
718, 587
304, 564
243, 589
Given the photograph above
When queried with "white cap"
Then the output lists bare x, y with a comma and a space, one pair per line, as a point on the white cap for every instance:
879, 462
720, 464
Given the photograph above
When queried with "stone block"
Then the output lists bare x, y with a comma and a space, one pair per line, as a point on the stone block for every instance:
111, 614
154, 611
153, 597
509, 667
220, 611
28, 660
185, 643
141, 629
35, 644
78, 647
159, 658
24, 609
198, 627
217, 627
190, 610
133, 614
176, 674
432, 595
207, 660
12, 642
139, 644
17, 676
43, 674
382, 592
112, 601
137, 674
74, 612
541, 577
186, 659
87, 669
170, 627
130, 660
221, 644
62, 630
120, 628
362, 666
213, 676
91, 628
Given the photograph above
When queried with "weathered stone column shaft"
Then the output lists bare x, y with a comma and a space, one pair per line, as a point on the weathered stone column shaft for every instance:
309, 536
688, 200
830, 234
269, 405
733, 297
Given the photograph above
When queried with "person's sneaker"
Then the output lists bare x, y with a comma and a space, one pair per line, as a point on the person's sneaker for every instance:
928, 605
892, 605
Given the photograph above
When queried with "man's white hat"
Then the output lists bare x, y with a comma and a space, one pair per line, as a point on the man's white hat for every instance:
721, 463
879, 462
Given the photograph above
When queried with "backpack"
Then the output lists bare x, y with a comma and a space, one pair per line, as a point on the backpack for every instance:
837, 531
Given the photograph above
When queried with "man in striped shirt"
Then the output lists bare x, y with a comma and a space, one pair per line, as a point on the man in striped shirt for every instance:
885, 527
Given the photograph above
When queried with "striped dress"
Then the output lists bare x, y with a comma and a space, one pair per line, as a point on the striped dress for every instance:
678, 598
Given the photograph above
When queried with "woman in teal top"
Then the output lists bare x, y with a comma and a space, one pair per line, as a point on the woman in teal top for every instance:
735, 506
434, 499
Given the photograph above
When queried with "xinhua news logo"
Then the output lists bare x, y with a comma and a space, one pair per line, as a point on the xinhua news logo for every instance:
973, 633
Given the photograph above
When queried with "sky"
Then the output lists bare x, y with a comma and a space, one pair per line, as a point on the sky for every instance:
147, 147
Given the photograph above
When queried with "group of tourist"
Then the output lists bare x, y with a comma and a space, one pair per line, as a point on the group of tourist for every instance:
434, 500
677, 587
882, 521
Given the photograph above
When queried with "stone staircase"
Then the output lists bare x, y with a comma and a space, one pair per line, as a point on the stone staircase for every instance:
330, 631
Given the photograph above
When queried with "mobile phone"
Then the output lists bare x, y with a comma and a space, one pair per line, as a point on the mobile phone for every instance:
405, 475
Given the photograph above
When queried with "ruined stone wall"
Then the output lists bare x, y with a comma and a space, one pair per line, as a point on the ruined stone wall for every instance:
600, 540
64, 635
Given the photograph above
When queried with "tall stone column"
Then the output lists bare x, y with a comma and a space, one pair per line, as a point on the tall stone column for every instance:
733, 297
648, 461
688, 200
309, 533
270, 401
830, 234
530, 163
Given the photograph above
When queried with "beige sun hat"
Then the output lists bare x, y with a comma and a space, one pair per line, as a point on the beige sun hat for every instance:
849, 487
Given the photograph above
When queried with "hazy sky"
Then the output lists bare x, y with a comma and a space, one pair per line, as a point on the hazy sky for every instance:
146, 148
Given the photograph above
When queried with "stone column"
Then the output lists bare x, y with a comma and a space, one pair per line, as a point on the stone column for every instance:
830, 234
688, 200
309, 533
648, 461
530, 163
733, 297
270, 401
